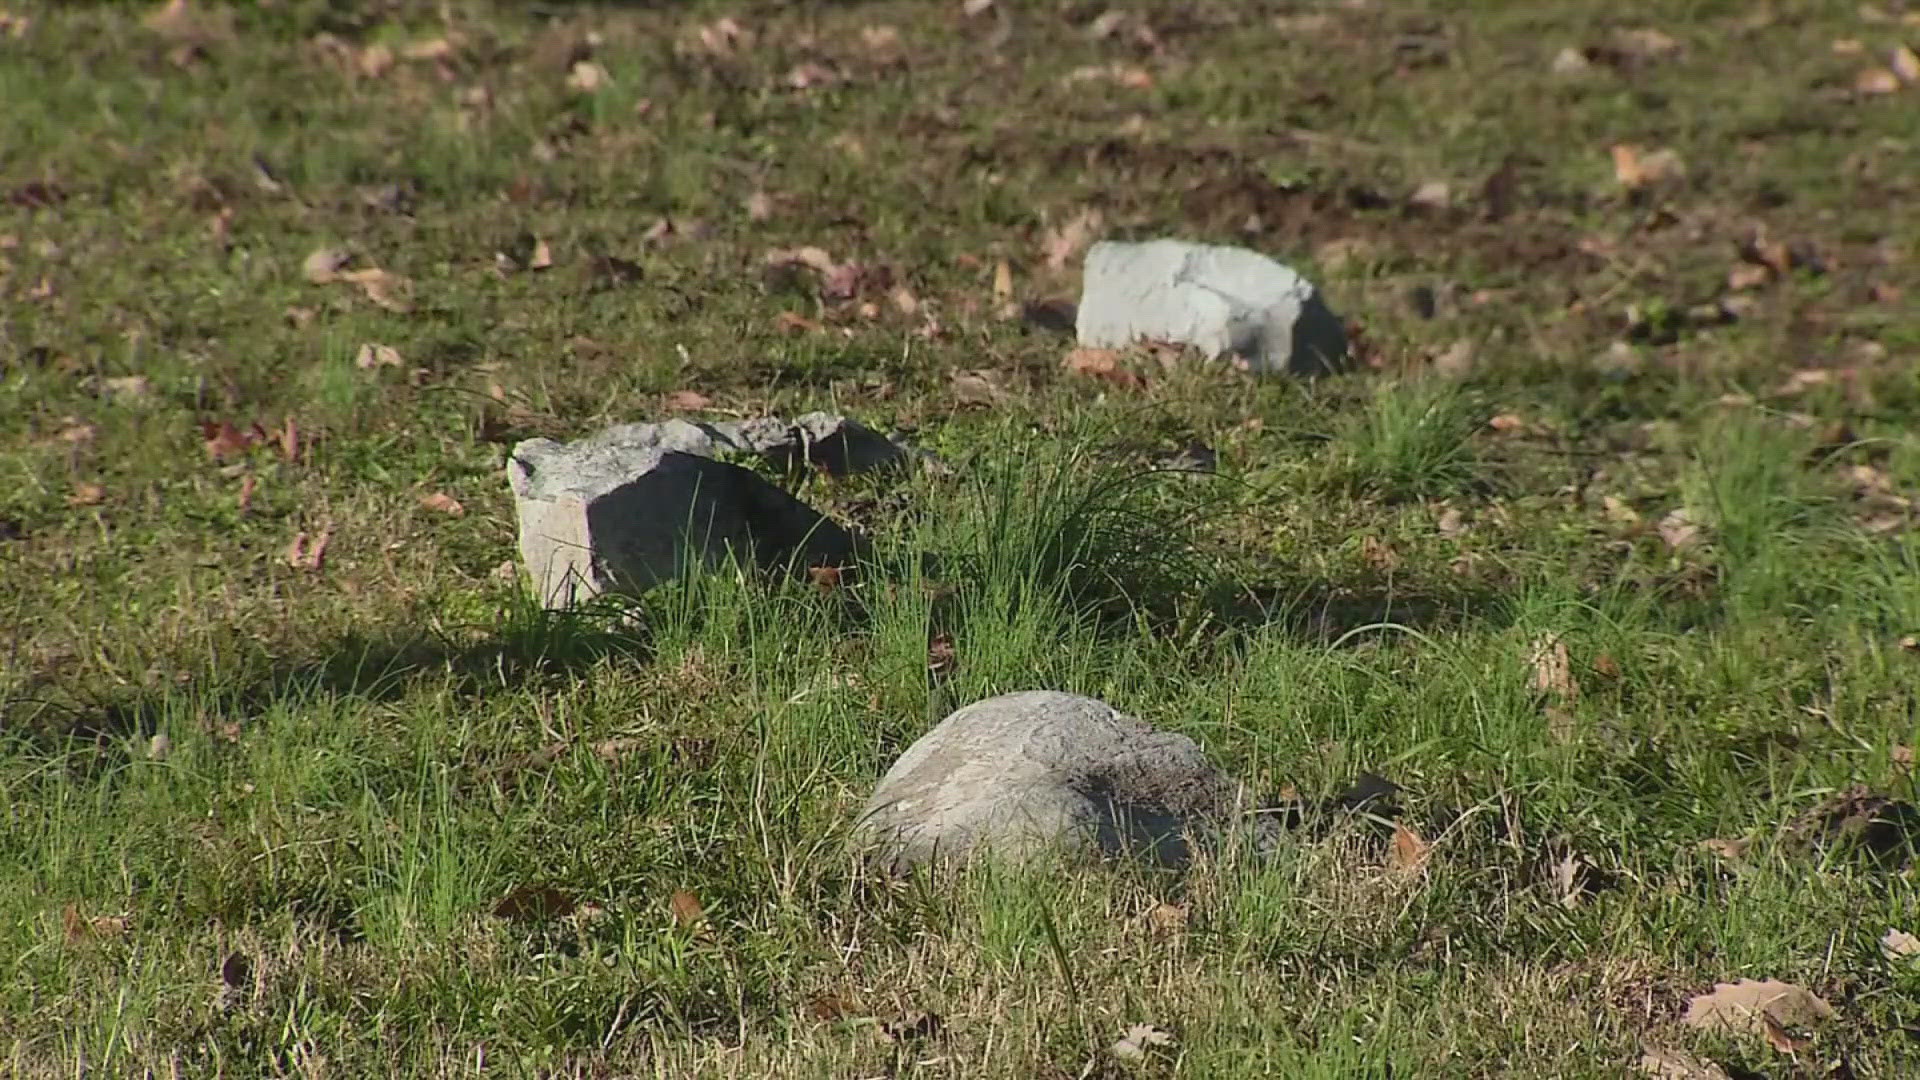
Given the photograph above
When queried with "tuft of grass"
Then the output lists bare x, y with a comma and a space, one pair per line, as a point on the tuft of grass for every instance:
1411, 440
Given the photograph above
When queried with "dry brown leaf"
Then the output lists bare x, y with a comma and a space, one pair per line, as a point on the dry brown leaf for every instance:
1062, 244
825, 578
1002, 282
1676, 1065
1900, 947
759, 206
794, 322
1747, 276
78, 927
1905, 64
223, 440
325, 263
443, 503
1451, 523
1553, 669
388, 290
1877, 81
309, 553
1635, 169
1780, 1039
1379, 555
685, 908
687, 401
247, 484
542, 257
941, 658
1407, 853
1678, 530
1167, 918
530, 902
978, 387
1102, 364
87, 493
372, 355
1746, 1006
587, 76
1140, 1041
807, 75
375, 60
1730, 850
1508, 423
1645, 43
126, 388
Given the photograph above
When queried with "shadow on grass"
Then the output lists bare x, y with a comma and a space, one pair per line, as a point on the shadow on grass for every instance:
534, 644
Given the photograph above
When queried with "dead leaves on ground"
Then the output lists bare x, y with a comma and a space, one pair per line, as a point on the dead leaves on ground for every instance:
384, 288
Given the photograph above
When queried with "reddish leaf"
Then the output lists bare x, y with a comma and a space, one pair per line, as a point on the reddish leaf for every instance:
443, 503
685, 908
530, 902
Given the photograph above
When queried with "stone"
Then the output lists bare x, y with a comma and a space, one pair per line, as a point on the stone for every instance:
640, 504
1222, 300
1036, 771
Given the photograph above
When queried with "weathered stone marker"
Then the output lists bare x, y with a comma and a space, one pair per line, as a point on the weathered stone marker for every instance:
1223, 300
1044, 771
639, 504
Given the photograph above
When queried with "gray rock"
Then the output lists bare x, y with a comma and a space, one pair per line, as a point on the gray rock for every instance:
1219, 299
833, 443
623, 514
1043, 771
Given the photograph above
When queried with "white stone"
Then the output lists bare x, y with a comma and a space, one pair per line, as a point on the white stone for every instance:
1223, 300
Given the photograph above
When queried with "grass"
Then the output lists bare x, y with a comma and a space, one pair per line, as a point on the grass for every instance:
381, 816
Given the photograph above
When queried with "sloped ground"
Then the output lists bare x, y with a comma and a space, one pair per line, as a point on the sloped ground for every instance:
1604, 555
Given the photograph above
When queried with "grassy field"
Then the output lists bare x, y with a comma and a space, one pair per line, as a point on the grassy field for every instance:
1604, 554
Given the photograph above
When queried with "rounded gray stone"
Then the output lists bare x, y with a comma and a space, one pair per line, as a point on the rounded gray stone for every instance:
1043, 771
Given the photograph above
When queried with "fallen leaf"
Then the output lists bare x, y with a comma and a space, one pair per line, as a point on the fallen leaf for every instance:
913, 1027
223, 440
687, 401
79, 927
247, 484
904, 301
794, 322
1645, 43
826, 1007
1676, 1065
372, 355
1877, 81
1779, 1038
1678, 530
807, 75
325, 263
1552, 669
977, 387
542, 257
125, 388
1377, 554
289, 441
1102, 364
1634, 169
531, 902
1140, 1040
1002, 282
1407, 854
1730, 850
87, 494
309, 553
1746, 1006
375, 60
388, 290
1899, 947
1606, 666
75, 434
685, 908
1507, 423
443, 503
759, 206
1062, 244
587, 76
1167, 918
1432, 195
941, 659
1450, 523
824, 578
1905, 64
